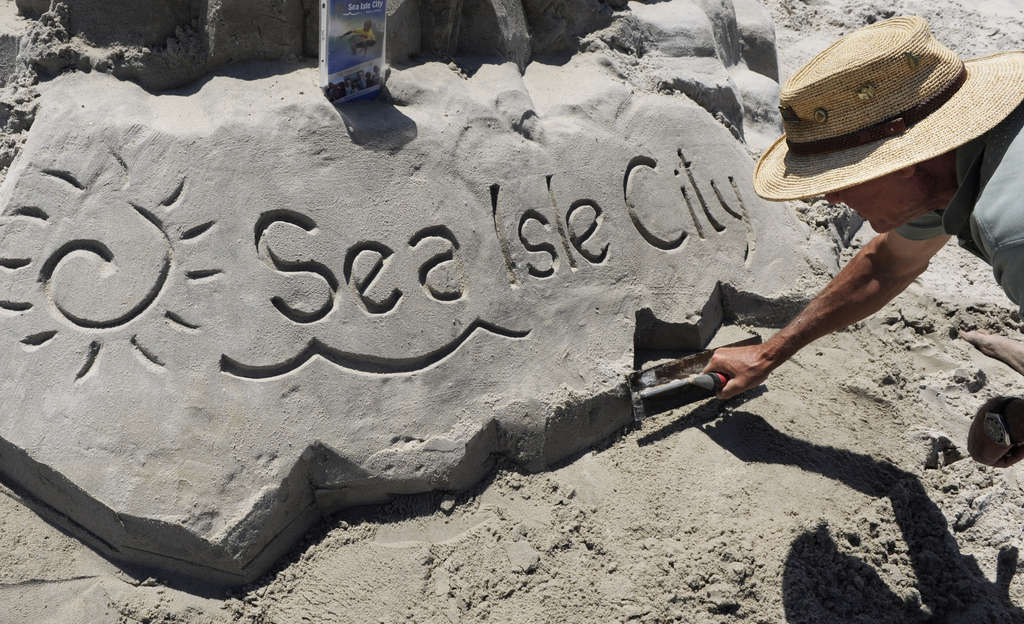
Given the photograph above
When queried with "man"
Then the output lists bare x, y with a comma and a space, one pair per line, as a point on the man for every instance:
924, 146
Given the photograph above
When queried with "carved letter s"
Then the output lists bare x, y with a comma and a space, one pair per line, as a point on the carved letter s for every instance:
303, 222
542, 247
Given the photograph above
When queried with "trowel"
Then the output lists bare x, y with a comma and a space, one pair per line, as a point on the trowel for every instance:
676, 383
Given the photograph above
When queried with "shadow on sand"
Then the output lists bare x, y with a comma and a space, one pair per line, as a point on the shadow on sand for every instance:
822, 584
377, 125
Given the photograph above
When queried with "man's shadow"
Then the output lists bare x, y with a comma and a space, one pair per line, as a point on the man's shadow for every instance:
822, 584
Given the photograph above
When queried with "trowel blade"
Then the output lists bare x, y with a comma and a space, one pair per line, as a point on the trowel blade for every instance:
670, 371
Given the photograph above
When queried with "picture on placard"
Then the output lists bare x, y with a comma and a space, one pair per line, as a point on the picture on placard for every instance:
352, 48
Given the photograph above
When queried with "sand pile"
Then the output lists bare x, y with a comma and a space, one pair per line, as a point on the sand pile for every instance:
840, 493
247, 309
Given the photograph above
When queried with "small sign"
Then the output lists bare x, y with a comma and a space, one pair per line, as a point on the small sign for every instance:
352, 37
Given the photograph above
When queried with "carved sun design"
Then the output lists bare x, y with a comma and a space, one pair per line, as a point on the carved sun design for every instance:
108, 256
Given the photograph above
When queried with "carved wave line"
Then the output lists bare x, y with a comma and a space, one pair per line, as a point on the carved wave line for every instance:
362, 363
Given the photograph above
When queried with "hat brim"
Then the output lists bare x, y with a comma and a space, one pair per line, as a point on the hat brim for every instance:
993, 89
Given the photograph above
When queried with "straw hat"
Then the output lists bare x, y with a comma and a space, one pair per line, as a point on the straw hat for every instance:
880, 99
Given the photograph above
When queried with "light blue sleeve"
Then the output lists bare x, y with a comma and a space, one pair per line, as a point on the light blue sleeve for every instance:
997, 223
1008, 266
926, 226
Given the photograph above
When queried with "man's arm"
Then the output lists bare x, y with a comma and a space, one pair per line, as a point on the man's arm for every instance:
883, 269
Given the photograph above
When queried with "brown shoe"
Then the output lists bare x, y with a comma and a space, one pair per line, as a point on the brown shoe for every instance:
996, 437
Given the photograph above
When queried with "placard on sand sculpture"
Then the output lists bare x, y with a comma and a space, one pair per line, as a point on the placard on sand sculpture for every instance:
221, 320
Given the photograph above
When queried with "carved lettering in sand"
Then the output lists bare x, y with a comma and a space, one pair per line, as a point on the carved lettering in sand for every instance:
547, 236
440, 273
539, 235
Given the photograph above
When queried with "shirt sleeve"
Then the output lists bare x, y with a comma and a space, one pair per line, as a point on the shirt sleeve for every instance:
1008, 267
926, 226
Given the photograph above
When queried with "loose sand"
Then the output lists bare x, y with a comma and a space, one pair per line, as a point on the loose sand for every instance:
839, 494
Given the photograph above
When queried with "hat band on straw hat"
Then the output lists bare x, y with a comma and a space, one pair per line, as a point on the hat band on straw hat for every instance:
893, 126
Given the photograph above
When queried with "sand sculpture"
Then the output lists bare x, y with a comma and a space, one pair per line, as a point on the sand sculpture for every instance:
231, 308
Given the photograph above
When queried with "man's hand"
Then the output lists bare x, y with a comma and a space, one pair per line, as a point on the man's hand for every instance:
746, 368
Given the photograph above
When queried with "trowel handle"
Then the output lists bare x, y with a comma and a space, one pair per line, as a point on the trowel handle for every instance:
711, 381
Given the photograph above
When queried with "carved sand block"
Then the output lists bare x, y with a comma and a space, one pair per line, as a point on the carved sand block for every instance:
221, 318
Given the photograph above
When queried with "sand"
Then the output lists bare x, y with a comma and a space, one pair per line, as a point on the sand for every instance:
838, 494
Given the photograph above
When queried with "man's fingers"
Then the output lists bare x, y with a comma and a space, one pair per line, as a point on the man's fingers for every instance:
711, 364
730, 389
743, 366
719, 364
